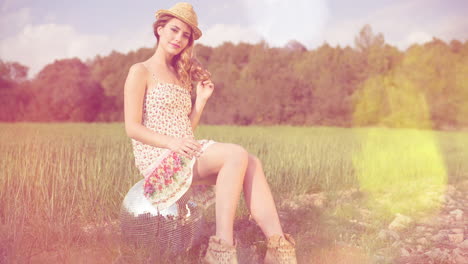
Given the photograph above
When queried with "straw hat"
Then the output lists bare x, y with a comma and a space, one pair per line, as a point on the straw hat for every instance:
184, 12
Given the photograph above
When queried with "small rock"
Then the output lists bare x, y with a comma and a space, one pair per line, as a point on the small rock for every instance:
396, 244
450, 189
444, 231
438, 237
457, 230
420, 229
365, 212
317, 199
450, 202
350, 194
319, 203
422, 241
388, 234
393, 234
288, 204
464, 244
419, 248
463, 185
458, 214
404, 252
442, 198
382, 235
427, 220
438, 255
455, 238
459, 257
434, 254
379, 259
400, 222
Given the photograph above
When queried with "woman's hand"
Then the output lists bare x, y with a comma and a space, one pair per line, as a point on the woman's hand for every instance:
185, 146
205, 89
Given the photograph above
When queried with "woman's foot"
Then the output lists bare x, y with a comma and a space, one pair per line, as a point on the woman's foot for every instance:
220, 252
281, 250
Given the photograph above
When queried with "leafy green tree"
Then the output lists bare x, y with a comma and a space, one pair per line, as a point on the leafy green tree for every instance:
440, 72
12, 73
111, 72
14, 95
65, 91
391, 100
372, 83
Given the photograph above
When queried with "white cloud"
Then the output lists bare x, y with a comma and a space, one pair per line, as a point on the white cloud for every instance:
219, 33
386, 20
280, 21
401, 25
38, 45
342, 34
452, 27
11, 23
418, 37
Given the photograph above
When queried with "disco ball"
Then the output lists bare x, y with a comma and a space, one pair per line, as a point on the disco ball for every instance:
172, 230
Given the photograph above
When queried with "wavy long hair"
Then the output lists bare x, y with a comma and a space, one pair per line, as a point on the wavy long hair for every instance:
188, 68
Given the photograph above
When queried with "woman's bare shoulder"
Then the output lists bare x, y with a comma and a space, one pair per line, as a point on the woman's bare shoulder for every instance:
137, 68
136, 78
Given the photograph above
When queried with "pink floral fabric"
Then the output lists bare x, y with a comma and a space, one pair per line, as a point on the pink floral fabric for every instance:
167, 174
164, 175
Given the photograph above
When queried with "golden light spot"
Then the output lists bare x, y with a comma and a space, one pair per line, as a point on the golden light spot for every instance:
402, 169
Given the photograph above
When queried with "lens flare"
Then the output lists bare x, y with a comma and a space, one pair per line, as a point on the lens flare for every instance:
402, 170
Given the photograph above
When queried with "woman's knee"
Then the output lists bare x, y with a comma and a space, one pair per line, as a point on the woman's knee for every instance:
254, 162
238, 154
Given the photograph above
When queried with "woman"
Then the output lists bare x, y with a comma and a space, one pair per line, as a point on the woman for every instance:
160, 120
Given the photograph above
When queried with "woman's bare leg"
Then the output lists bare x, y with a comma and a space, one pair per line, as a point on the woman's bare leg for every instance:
229, 162
259, 199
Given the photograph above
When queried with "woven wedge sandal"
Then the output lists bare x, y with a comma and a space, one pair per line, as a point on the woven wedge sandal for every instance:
220, 252
280, 250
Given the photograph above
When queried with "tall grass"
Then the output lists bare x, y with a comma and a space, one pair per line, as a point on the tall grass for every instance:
57, 178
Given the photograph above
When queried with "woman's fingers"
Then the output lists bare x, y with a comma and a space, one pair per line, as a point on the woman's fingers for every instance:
195, 146
192, 152
188, 153
208, 82
189, 148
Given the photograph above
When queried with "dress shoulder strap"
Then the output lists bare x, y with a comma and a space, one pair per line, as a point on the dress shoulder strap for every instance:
158, 81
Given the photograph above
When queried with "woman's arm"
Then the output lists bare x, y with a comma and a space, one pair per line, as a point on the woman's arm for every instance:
134, 91
204, 90
196, 112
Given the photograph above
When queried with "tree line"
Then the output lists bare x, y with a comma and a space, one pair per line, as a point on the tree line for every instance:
371, 83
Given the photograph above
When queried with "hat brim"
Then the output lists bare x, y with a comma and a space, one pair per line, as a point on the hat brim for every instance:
196, 31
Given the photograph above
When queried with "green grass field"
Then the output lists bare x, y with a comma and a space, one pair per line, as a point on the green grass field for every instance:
57, 178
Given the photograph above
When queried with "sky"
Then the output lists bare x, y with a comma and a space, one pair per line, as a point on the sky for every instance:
37, 32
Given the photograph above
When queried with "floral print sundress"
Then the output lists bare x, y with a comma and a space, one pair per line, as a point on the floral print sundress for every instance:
168, 175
